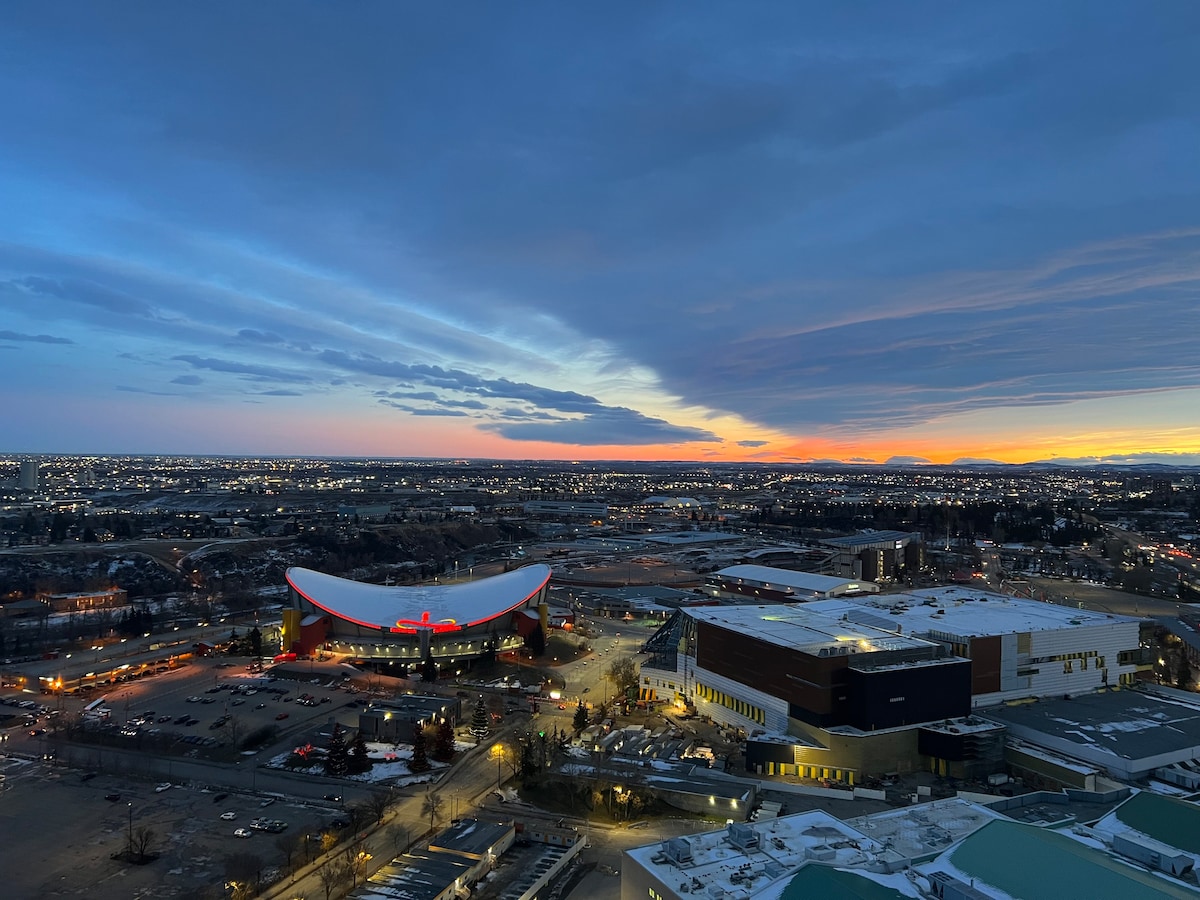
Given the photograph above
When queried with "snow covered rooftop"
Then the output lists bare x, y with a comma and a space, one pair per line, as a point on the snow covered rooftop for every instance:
807, 627
744, 858
966, 612
801, 583
1128, 724
428, 605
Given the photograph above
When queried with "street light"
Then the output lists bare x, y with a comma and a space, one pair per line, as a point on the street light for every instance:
498, 752
130, 850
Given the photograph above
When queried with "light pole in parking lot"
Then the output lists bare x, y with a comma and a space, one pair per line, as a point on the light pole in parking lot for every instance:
498, 752
129, 852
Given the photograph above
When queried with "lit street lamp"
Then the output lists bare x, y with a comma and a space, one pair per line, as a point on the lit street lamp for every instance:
498, 752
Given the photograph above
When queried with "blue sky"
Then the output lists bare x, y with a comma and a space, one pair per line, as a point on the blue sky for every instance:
743, 231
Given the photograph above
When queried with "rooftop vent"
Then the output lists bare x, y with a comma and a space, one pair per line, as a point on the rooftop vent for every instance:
679, 851
741, 835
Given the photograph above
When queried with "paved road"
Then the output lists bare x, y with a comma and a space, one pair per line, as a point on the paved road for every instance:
469, 782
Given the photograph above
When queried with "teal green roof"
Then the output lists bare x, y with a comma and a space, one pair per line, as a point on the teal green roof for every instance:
1031, 863
1174, 822
821, 881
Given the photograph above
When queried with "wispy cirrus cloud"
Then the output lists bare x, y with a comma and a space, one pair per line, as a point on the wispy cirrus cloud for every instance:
6, 335
257, 372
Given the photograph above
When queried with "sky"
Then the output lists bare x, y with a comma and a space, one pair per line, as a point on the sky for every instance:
794, 232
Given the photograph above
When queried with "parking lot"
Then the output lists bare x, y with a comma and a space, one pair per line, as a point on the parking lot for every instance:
68, 805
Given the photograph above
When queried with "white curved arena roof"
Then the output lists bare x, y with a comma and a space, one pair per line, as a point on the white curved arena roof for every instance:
429, 605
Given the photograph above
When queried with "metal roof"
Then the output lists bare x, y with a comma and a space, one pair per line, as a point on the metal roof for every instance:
783, 579
1165, 819
1126, 724
1027, 861
436, 606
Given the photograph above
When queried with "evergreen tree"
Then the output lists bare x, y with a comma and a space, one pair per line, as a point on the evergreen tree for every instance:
337, 759
443, 748
528, 763
359, 761
420, 761
255, 641
581, 717
429, 668
480, 726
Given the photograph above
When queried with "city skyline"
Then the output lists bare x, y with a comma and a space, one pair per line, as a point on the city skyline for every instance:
743, 234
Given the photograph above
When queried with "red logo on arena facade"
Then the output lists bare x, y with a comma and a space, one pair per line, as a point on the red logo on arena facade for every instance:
411, 626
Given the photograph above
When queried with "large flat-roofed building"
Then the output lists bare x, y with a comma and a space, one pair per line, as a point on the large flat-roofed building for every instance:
846, 687
1130, 734
808, 854
1018, 648
390, 624
877, 555
586, 510
767, 584
847, 696
394, 720
946, 850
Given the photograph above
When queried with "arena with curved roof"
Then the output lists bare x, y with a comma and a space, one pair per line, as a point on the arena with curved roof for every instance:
394, 624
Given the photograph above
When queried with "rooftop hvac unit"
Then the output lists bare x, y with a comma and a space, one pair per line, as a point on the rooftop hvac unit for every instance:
741, 835
679, 851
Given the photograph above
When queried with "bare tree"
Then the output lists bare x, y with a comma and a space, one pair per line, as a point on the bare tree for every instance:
243, 868
431, 803
289, 844
143, 837
358, 813
356, 857
332, 874
399, 838
377, 805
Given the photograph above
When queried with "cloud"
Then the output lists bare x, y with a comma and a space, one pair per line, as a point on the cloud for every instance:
1126, 459
88, 293
6, 335
259, 337
813, 221
131, 389
261, 373
607, 426
907, 461
424, 410
187, 379
280, 392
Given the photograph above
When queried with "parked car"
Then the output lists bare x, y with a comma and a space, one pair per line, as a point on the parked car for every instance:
229, 816
242, 832
281, 717
163, 786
